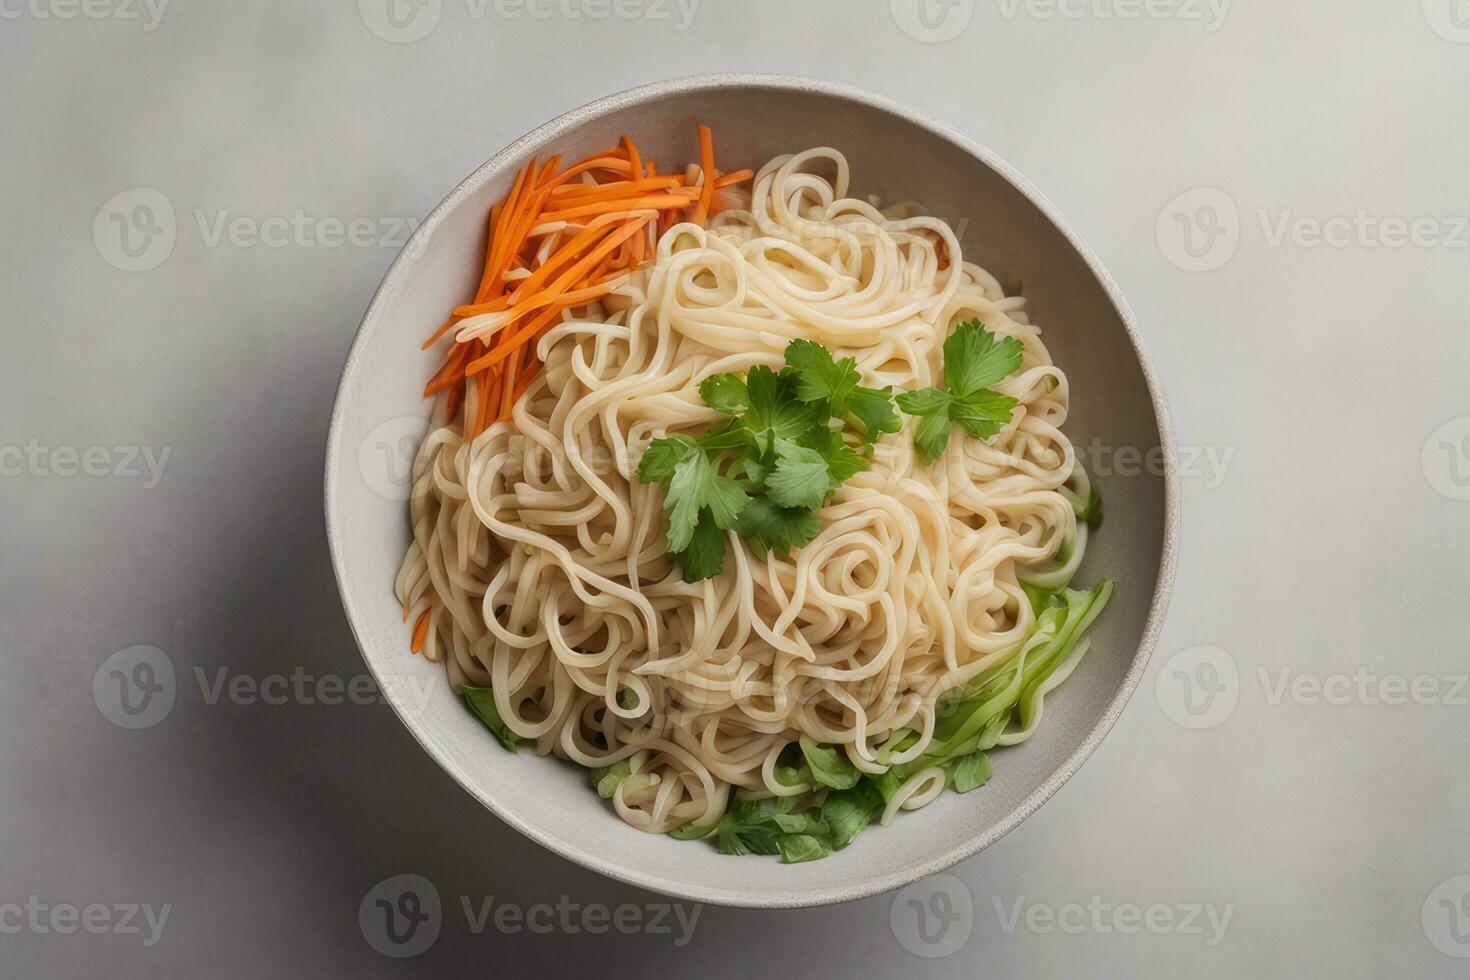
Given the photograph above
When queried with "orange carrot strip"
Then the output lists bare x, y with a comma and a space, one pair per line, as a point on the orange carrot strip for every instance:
707, 165
420, 633
508, 389
451, 372
648, 202
579, 270
515, 341
521, 229
583, 193
733, 177
453, 397
592, 163
579, 242
443, 328
494, 257
635, 162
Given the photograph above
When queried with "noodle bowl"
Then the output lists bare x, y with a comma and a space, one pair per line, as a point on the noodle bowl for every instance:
539, 558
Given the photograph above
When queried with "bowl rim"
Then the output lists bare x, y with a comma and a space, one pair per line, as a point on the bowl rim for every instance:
652, 93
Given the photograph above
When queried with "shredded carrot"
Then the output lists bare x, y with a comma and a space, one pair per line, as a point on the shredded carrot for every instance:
707, 184
582, 193
420, 632
499, 238
734, 177
635, 162
659, 202
559, 239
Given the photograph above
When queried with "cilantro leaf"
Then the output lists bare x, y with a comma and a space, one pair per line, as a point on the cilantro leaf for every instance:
661, 456
801, 477
931, 405
706, 552
982, 413
694, 486
725, 393
726, 499
767, 527
774, 409
729, 434
974, 357
761, 471
931, 435
818, 376
925, 401
874, 409
755, 471
842, 462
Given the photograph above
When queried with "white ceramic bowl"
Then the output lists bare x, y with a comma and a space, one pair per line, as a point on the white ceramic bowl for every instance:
1010, 229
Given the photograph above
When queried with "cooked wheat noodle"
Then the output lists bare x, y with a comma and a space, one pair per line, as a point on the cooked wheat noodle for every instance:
541, 560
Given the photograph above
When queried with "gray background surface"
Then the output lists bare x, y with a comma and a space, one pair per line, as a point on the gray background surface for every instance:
1292, 758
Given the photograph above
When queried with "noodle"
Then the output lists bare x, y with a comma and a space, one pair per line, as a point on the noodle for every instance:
539, 557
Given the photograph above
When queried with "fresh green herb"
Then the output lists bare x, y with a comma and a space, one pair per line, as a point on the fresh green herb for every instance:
786, 825
800, 478
735, 838
848, 811
796, 848
698, 493
481, 701
609, 778
970, 771
873, 407
692, 831
767, 527
800, 823
830, 766
974, 358
820, 377
1088, 509
705, 554
791, 439
749, 826
725, 393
